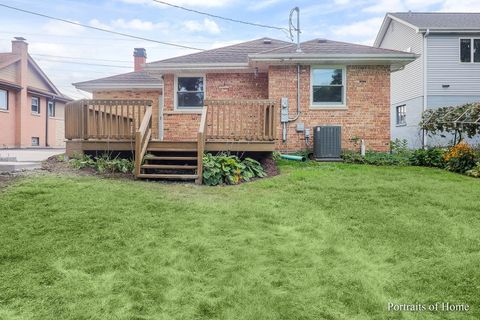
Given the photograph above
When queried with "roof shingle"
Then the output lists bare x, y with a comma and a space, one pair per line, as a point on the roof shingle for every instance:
440, 20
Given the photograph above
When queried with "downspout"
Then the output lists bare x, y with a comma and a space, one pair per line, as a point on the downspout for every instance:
425, 83
46, 121
298, 95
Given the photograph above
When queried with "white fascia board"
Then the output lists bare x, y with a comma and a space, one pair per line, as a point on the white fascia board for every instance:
382, 31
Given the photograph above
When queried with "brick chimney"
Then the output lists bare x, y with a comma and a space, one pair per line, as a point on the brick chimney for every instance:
140, 58
19, 46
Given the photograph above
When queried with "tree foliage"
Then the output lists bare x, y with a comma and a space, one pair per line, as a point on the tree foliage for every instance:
454, 119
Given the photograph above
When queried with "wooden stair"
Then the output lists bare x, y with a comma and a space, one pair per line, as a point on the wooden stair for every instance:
165, 160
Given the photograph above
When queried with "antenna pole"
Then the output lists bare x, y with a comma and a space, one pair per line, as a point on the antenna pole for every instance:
297, 28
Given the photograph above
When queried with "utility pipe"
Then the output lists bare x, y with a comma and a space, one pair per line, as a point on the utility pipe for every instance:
425, 83
292, 157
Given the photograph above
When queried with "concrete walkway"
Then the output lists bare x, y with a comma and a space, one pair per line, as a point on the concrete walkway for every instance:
25, 159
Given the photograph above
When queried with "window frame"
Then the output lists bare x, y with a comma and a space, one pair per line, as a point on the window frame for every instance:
329, 105
38, 105
397, 118
472, 48
190, 109
51, 115
38, 142
6, 100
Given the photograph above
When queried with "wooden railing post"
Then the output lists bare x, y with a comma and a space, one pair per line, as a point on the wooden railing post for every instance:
85, 115
201, 144
142, 137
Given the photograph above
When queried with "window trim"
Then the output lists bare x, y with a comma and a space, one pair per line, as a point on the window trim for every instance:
329, 105
404, 123
38, 106
175, 92
38, 142
472, 46
48, 108
6, 109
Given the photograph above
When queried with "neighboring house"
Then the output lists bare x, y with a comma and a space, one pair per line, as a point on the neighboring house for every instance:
31, 107
339, 83
448, 72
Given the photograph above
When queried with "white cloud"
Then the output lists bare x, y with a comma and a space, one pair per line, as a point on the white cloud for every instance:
137, 24
383, 6
98, 24
461, 6
191, 3
58, 28
361, 29
260, 5
206, 25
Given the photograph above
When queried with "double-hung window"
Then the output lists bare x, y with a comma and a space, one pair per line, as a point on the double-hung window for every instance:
51, 108
35, 105
470, 50
401, 115
190, 92
328, 86
3, 99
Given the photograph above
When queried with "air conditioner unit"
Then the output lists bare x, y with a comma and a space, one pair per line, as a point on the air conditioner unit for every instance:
327, 142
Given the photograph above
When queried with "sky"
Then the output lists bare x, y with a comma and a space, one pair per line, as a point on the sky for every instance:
95, 54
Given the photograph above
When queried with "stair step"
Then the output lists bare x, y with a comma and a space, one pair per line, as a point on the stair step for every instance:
170, 150
167, 166
168, 176
171, 158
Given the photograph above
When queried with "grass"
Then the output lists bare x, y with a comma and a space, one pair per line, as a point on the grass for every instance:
321, 241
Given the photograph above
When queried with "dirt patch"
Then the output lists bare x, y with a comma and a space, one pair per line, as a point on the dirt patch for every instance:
57, 164
270, 166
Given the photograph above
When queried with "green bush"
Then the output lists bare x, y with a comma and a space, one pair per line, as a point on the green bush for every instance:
376, 158
475, 171
103, 164
229, 169
432, 157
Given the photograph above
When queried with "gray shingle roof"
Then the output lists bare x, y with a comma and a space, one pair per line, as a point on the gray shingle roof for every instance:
237, 53
440, 20
140, 77
324, 46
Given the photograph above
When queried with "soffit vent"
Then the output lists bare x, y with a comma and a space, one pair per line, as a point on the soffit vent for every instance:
267, 41
322, 40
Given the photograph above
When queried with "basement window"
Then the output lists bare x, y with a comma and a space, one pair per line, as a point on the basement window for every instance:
401, 115
470, 50
35, 105
3, 99
328, 87
190, 92
35, 141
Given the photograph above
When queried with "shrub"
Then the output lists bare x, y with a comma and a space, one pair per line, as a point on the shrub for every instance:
432, 157
399, 146
376, 158
475, 171
229, 169
460, 158
103, 164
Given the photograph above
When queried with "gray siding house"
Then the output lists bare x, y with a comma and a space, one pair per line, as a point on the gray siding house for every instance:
446, 73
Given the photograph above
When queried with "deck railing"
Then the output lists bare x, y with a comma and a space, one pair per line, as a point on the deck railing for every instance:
201, 144
241, 120
104, 119
142, 137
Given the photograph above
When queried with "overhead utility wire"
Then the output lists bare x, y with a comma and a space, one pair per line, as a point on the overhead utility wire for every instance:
220, 17
78, 58
99, 29
84, 63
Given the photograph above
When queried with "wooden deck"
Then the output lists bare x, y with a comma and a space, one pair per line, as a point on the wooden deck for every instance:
126, 126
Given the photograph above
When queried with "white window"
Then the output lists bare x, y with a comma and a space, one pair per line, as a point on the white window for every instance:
401, 115
470, 50
35, 105
328, 86
190, 92
51, 108
3, 99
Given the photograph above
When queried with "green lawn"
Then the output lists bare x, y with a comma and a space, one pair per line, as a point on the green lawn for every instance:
321, 241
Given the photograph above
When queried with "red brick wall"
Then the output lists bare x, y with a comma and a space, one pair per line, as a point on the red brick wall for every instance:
367, 115
181, 125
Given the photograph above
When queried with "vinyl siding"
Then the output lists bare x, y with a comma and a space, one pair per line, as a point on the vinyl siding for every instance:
9, 73
407, 83
444, 67
35, 80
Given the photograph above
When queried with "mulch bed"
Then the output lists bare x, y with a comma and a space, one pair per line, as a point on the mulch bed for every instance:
270, 167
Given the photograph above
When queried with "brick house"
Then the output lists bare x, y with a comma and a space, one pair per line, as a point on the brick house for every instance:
358, 101
31, 107
335, 83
